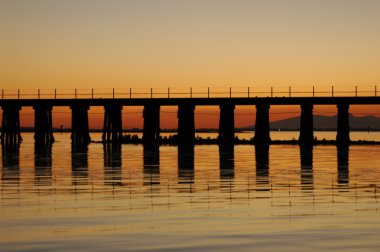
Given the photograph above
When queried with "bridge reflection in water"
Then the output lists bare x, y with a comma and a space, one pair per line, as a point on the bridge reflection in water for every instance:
108, 187
262, 168
185, 174
151, 158
306, 155
112, 164
186, 164
43, 163
79, 166
342, 160
113, 167
10, 162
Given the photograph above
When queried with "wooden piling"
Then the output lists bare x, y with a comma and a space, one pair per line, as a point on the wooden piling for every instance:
80, 134
186, 124
112, 127
43, 126
262, 130
151, 131
10, 133
227, 124
306, 137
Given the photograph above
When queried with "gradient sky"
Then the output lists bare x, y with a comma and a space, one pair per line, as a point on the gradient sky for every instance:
180, 44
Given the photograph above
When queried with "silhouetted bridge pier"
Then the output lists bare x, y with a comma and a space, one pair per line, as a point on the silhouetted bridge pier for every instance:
112, 129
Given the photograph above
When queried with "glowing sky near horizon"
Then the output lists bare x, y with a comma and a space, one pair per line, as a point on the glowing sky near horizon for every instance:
180, 44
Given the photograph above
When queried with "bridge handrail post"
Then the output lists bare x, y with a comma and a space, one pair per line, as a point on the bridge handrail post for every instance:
356, 91
375, 91
75, 95
313, 92
248, 92
18, 94
55, 93
38, 94
92, 93
151, 93
113, 93
191, 92
332, 91
290, 91
230, 92
208, 92
271, 91
130, 93
2, 94
168, 93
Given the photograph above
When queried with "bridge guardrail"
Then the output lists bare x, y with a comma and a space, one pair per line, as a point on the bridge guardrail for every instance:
209, 92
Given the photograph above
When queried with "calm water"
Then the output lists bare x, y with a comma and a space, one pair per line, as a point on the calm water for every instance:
206, 199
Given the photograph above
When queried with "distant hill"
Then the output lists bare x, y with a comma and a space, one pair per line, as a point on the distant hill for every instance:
329, 123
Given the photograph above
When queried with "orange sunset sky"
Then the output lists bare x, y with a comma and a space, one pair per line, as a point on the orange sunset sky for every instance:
143, 44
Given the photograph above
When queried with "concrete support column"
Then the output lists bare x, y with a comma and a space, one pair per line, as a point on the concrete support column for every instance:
186, 124
227, 124
80, 135
343, 130
306, 125
112, 129
262, 135
10, 133
43, 126
151, 132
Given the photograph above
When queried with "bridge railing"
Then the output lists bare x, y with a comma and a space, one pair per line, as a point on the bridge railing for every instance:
206, 92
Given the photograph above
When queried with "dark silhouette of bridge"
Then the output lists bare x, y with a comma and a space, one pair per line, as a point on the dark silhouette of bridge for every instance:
112, 127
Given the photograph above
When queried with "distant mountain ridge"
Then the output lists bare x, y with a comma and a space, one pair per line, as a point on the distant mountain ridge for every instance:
329, 122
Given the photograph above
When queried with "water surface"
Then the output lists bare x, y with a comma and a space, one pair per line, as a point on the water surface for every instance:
206, 198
